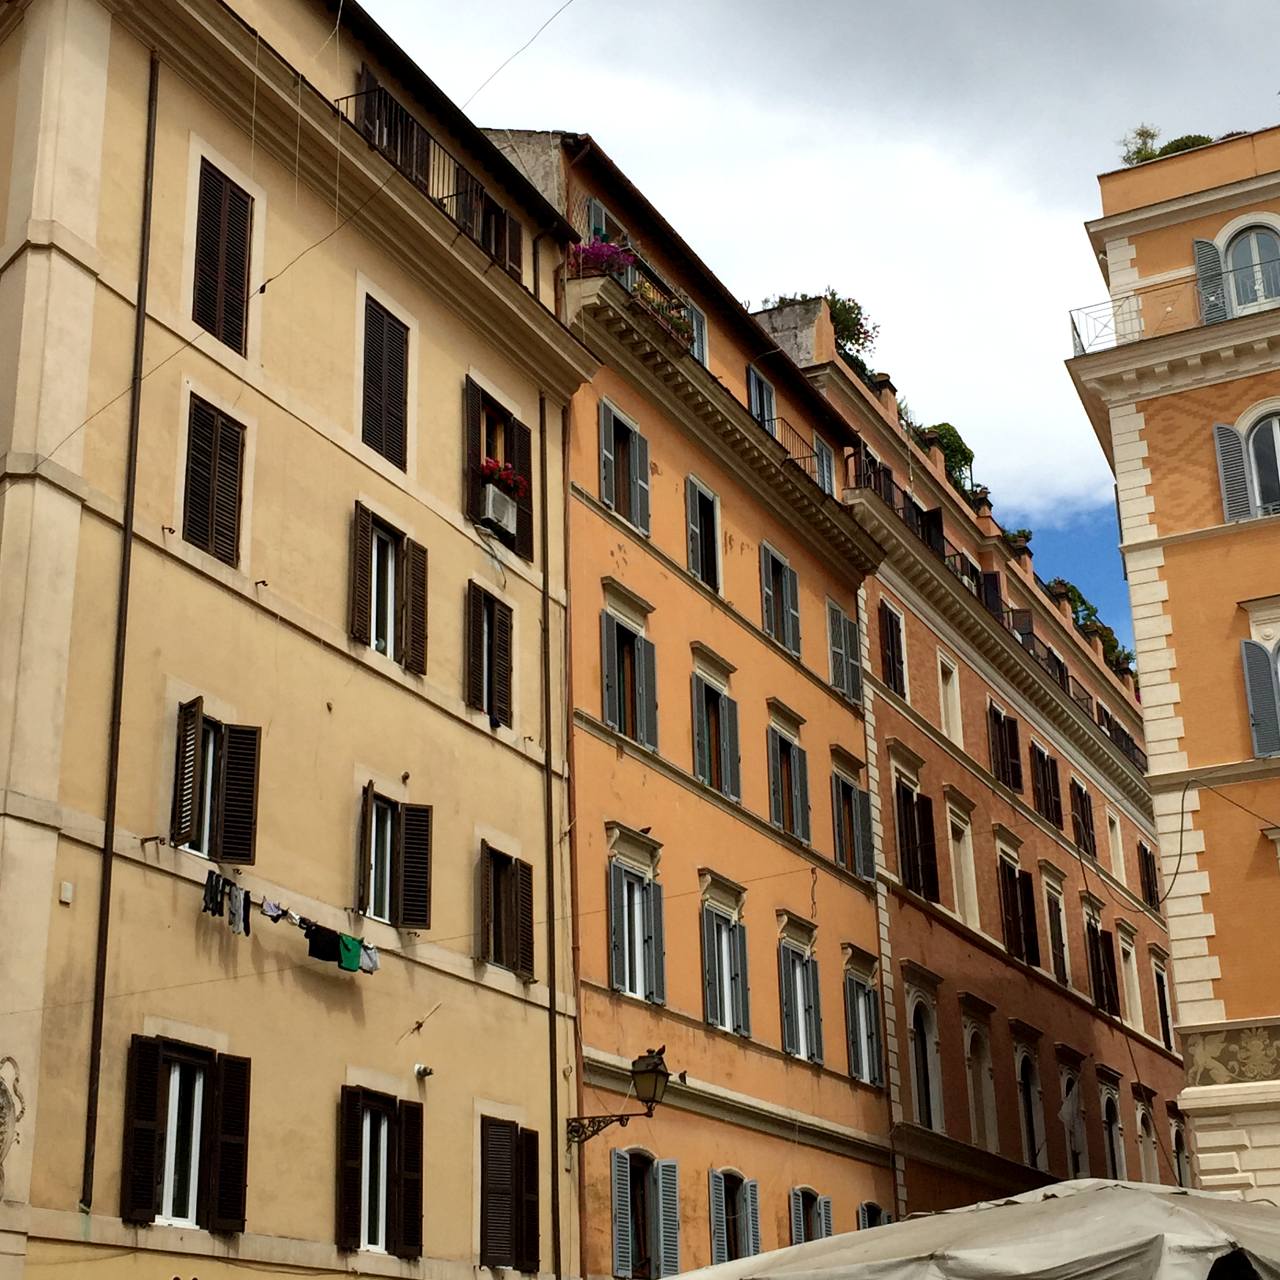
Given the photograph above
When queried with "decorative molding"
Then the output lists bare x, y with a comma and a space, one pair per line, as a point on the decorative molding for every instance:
1068, 1055
705, 654
1006, 835
913, 971
958, 800
856, 958
976, 1006
1024, 1031
1238, 1055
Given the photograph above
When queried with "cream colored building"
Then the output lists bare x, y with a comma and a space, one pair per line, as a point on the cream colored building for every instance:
335, 682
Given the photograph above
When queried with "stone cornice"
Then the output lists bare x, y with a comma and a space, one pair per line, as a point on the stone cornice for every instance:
621, 332
205, 43
915, 1142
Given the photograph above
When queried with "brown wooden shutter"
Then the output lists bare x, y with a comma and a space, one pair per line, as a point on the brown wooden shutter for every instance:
350, 1162
362, 574
1055, 794
413, 871
224, 221
197, 501
1111, 986
524, 919
473, 456
187, 772
484, 903
502, 657
1010, 908
497, 1191
515, 249
995, 739
521, 458
475, 646
408, 1182
364, 847
1013, 753
228, 469
373, 407
527, 1252
908, 866
1027, 918
386, 383
413, 592
926, 849
229, 1160
238, 818
142, 1162
367, 107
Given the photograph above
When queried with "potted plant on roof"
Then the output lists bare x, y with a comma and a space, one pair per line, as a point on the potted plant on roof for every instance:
599, 258
1018, 541
504, 487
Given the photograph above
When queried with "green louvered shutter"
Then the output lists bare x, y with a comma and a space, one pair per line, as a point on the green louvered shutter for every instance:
1261, 690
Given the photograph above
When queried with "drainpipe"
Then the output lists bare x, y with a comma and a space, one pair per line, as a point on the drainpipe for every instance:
117, 674
552, 845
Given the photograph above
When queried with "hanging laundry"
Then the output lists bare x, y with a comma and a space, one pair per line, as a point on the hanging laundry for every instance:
235, 909
368, 958
272, 910
348, 953
294, 918
246, 908
214, 889
322, 943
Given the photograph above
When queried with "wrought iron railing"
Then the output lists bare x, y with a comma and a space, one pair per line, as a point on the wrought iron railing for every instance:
799, 448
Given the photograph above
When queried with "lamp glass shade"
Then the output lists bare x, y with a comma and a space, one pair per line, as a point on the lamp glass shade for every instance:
649, 1077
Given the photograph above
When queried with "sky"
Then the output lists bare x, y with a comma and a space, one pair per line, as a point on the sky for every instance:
935, 159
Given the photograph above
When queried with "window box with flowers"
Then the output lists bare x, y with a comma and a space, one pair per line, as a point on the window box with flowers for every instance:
600, 258
503, 488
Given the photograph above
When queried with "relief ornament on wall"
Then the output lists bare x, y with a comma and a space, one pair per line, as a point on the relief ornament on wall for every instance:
1238, 1056
12, 1109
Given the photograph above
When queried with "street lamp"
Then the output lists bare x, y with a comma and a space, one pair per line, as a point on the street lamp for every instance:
649, 1076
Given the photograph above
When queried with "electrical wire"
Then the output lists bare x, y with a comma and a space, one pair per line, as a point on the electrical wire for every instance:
502, 66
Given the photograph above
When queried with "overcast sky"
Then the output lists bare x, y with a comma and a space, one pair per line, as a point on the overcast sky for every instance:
933, 158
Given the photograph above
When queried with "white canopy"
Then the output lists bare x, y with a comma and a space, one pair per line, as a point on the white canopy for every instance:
1089, 1229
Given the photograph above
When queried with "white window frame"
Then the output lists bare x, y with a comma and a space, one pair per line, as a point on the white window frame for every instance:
950, 711
1128, 945
1148, 1152
823, 452
1262, 301
708, 492
1055, 903
369, 1119
699, 347
1036, 1143
633, 887
797, 979
210, 737
1106, 1093
766, 396
980, 1078
1159, 980
384, 551
1073, 1133
933, 1067
381, 845
166, 1215
902, 636
1115, 838
724, 923
963, 869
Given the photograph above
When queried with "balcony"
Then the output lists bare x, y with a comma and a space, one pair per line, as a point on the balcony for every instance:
1173, 308
801, 451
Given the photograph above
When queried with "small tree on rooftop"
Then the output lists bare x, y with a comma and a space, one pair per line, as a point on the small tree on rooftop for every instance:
1139, 144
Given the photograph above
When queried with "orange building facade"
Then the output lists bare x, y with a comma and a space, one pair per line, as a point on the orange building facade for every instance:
1178, 371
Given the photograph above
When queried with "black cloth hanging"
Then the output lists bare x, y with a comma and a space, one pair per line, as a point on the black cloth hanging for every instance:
322, 943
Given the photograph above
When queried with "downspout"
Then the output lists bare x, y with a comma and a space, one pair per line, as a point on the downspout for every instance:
117, 674
552, 845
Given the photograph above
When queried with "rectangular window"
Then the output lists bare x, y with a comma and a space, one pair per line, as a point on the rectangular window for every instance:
1132, 985
1116, 844
917, 845
499, 470
824, 461
760, 399
489, 655
1006, 755
509, 1213
724, 971
1018, 912
862, 1024
1046, 791
380, 1156
215, 463
1100, 949
224, 228
394, 859
801, 1006
215, 786
851, 811
384, 410
630, 674
388, 591
788, 784
715, 738
637, 949
703, 518
624, 468
1082, 820
962, 864
506, 912
893, 660
949, 700
698, 322
179, 1168
1055, 911
1163, 1007
780, 598
1150, 875
844, 640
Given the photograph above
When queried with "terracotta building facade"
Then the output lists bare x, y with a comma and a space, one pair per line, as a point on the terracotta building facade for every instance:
1178, 373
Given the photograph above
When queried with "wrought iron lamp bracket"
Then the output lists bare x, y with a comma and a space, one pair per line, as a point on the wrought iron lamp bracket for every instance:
579, 1129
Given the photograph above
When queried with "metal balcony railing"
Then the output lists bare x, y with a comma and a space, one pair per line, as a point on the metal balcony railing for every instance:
799, 448
645, 285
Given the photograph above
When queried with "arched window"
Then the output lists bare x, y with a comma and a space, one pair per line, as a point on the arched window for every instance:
1029, 1110
1073, 1127
1113, 1137
1150, 1167
1253, 263
982, 1093
1181, 1165
924, 1066
1264, 455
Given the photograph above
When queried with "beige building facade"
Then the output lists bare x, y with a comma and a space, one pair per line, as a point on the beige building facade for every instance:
326, 1017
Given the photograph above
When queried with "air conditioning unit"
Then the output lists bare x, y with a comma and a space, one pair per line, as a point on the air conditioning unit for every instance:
499, 510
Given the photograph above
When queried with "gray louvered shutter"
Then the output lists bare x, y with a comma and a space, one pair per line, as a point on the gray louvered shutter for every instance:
740, 981
606, 456
655, 945
843, 838
647, 692
730, 758
617, 926
668, 1178
751, 1197
813, 1008
1233, 473
875, 1046
800, 788
701, 746
787, 1002
710, 970
639, 482
694, 528
766, 589
864, 1216
853, 659
852, 994
1261, 691
836, 639
719, 1233
864, 852
1215, 304
796, 1202
620, 1168
824, 1216
792, 586
609, 669
774, 742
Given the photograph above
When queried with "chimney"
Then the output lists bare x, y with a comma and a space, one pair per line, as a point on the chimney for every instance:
888, 394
